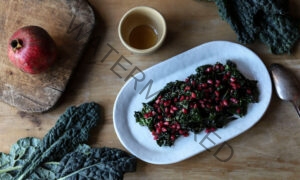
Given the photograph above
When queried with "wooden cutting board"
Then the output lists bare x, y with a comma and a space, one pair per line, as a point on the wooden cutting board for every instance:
69, 22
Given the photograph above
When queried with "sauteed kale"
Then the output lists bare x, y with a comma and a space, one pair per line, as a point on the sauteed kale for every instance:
207, 100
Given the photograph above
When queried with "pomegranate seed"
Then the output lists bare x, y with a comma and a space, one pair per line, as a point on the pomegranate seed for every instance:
186, 134
178, 126
159, 117
158, 130
187, 88
232, 79
158, 110
157, 101
166, 123
209, 130
238, 111
209, 69
248, 91
217, 93
193, 95
155, 137
182, 98
167, 103
174, 108
167, 110
204, 85
172, 137
171, 111
146, 116
225, 102
184, 110
163, 129
195, 106
234, 100
153, 113
218, 108
209, 81
181, 132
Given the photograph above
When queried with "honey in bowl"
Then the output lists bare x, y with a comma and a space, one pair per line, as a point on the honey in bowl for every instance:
143, 37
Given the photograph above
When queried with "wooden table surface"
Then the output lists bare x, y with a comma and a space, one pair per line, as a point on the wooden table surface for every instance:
269, 150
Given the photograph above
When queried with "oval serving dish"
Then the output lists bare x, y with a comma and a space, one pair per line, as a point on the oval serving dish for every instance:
141, 88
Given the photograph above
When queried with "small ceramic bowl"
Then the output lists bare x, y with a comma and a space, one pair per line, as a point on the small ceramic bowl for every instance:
142, 30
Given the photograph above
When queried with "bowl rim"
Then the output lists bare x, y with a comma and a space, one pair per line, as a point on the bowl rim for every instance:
159, 42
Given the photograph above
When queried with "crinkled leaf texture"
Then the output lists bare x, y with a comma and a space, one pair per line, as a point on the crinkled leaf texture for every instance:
96, 163
20, 153
267, 20
83, 163
71, 129
35, 159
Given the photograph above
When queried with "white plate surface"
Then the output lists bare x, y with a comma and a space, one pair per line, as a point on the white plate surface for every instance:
138, 139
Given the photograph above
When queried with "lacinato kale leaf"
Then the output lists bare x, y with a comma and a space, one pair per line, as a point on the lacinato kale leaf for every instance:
71, 129
96, 163
266, 20
83, 163
61, 154
21, 151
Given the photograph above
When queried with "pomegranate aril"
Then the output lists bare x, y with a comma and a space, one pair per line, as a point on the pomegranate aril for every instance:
174, 108
181, 131
186, 134
182, 98
193, 95
167, 110
209, 69
172, 137
232, 79
209, 130
218, 108
234, 100
210, 81
157, 101
225, 102
217, 93
187, 88
166, 123
158, 130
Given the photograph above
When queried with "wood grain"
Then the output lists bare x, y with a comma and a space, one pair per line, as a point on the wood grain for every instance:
70, 23
268, 151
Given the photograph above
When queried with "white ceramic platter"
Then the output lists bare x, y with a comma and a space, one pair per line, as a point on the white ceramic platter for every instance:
138, 140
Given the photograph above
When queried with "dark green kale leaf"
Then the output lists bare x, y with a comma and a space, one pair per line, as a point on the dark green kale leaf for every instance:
82, 163
96, 163
71, 129
267, 20
20, 152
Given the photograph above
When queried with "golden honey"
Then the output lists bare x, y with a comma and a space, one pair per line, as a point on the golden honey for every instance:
142, 37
